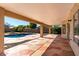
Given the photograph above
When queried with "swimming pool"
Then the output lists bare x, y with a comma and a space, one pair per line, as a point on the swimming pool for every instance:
15, 35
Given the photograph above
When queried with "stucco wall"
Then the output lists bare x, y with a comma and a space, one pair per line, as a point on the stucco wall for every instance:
73, 45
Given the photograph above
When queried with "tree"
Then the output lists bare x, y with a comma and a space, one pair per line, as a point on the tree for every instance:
56, 29
19, 28
28, 26
33, 26
7, 27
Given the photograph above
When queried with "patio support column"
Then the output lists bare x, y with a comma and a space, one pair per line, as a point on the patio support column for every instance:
41, 31
50, 31
2, 31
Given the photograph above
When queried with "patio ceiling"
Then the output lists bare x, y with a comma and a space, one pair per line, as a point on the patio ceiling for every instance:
49, 14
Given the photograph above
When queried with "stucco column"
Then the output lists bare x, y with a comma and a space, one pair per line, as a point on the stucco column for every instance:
50, 31
41, 31
61, 29
1, 31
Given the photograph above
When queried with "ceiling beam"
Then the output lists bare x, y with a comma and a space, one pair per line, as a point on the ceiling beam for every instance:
21, 17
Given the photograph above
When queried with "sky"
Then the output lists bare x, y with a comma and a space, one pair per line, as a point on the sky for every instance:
15, 22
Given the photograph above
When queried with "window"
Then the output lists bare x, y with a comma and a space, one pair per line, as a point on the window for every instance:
76, 27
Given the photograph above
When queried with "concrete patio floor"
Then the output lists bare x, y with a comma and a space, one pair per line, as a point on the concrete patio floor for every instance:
27, 37
34, 47
49, 45
11, 42
59, 47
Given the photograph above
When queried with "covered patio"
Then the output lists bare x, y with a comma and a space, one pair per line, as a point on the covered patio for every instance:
46, 15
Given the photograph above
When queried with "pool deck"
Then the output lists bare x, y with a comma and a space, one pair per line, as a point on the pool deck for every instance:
27, 37
49, 45
34, 47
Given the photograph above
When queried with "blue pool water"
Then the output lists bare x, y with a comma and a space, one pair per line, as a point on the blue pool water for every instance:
16, 35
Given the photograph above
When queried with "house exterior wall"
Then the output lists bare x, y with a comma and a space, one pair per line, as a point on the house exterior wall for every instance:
73, 45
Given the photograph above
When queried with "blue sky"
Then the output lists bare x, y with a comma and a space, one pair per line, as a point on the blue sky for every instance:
15, 22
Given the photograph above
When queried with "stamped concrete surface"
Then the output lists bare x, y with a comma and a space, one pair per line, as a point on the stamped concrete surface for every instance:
59, 47
32, 48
